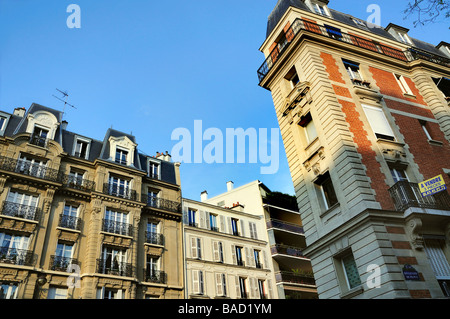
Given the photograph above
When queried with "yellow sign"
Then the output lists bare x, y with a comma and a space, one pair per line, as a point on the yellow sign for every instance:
432, 186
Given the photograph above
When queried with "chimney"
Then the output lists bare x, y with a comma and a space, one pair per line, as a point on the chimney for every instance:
19, 111
230, 186
64, 124
204, 196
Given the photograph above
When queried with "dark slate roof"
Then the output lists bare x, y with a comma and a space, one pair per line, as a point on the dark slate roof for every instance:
283, 5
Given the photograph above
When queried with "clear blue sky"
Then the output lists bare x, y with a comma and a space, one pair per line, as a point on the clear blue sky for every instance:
148, 67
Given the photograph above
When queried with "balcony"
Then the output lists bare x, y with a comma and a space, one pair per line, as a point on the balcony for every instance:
119, 228
28, 168
282, 225
294, 278
15, 256
71, 222
302, 25
154, 238
406, 195
161, 203
59, 263
155, 276
21, 211
119, 191
286, 250
80, 184
114, 268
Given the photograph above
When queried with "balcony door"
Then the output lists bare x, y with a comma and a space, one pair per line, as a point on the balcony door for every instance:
31, 166
113, 260
13, 248
119, 186
116, 222
21, 205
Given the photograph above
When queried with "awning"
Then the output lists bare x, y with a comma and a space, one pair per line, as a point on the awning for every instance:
443, 84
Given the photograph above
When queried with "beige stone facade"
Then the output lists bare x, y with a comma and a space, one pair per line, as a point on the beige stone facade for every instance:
82, 218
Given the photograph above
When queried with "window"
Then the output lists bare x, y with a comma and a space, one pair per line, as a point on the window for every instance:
191, 217
2, 123
292, 77
81, 148
242, 288
197, 282
239, 257
353, 71
350, 271
63, 257
399, 175
69, 217
39, 136
152, 199
116, 222
213, 222
119, 186
153, 170
309, 127
320, 9
152, 270
434, 248
403, 37
8, 290
261, 290
13, 248
113, 261
424, 125
57, 293
403, 85
234, 226
221, 285
75, 178
196, 247
327, 196
378, 122
121, 156
360, 23
109, 293
21, 205
334, 32
153, 237
256, 255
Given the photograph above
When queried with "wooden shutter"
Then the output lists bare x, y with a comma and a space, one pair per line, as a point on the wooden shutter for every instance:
208, 222
269, 286
195, 282
242, 228
202, 219
219, 287
253, 288
222, 224
216, 252
233, 254
230, 229
194, 247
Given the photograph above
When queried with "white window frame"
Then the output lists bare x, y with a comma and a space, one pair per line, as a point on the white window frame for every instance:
402, 84
387, 129
354, 75
82, 140
424, 127
11, 291
3, 121
57, 293
321, 9
404, 38
221, 285
122, 151
151, 169
198, 284
121, 182
398, 177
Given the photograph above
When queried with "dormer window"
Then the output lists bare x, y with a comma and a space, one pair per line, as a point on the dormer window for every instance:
320, 9
403, 37
121, 156
154, 170
318, 6
39, 136
2, 123
81, 148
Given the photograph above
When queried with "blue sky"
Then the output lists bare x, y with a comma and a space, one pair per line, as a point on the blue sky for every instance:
149, 67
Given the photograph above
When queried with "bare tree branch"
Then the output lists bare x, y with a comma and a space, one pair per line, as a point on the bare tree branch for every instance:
427, 11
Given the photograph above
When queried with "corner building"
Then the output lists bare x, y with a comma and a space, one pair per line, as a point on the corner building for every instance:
83, 218
364, 115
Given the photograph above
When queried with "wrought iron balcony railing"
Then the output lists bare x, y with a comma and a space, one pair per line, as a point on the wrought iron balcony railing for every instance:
119, 191
70, 222
16, 256
21, 211
302, 25
38, 140
77, 183
161, 203
155, 276
112, 226
406, 195
28, 168
59, 263
115, 268
279, 224
295, 278
154, 238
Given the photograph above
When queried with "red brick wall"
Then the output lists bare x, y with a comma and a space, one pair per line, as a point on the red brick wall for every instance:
332, 68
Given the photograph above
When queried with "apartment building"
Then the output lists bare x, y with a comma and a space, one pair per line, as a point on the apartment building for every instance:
227, 254
283, 227
365, 118
85, 218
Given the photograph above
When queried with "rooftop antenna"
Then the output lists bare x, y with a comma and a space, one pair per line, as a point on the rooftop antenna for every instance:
65, 96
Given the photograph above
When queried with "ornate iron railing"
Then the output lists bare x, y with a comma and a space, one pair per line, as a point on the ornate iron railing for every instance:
77, 183
155, 276
119, 191
59, 263
161, 203
28, 168
16, 256
120, 228
154, 238
295, 278
406, 195
286, 250
416, 54
21, 211
116, 268
70, 222
279, 224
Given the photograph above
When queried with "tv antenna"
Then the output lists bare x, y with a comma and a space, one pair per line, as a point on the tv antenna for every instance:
65, 97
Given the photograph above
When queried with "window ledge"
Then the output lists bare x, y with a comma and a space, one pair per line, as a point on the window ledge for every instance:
332, 208
409, 96
352, 292
382, 140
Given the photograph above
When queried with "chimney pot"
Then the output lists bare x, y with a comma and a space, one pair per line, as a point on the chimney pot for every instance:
230, 185
204, 196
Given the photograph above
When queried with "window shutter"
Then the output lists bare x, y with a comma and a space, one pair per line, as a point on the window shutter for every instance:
269, 286
201, 282
120, 294
219, 287
242, 228
216, 253
253, 287
194, 247
233, 254
238, 287
230, 229
378, 121
202, 219
199, 248
195, 282
222, 224
208, 222
266, 261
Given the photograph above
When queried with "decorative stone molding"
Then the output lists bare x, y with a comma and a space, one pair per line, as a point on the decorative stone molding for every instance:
313, 162
414, 228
